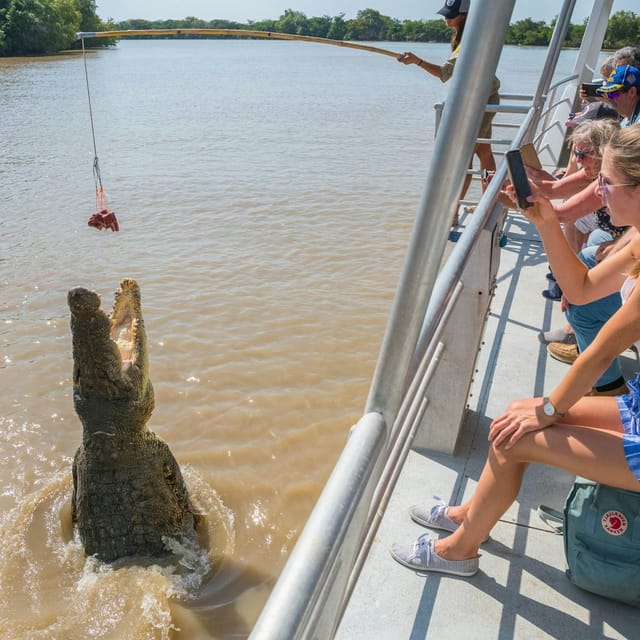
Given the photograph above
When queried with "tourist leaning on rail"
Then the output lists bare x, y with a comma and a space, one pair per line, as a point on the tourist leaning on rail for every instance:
455, 14
628, 55
594, 437
582, 227
621, 91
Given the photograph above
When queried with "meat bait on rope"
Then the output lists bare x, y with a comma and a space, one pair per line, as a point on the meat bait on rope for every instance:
104, 218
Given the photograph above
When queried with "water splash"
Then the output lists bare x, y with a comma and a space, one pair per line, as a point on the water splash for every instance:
50, 589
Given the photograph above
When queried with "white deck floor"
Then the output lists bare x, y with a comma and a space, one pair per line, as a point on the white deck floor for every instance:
521, 590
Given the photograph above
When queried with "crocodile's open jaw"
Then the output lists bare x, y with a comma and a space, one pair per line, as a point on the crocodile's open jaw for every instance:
109, 352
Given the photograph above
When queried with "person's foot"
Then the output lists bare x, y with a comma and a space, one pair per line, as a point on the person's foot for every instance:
434, 515
567, 353
554, 292
557, 335
421, 556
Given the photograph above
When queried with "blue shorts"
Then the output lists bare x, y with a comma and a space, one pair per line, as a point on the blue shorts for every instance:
629, 407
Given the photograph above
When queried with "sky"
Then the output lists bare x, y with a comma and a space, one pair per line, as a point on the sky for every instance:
245, 10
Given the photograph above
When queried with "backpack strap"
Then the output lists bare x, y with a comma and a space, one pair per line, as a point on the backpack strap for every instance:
552, 517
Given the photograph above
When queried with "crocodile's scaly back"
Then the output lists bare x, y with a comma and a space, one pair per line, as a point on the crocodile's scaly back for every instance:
128, 488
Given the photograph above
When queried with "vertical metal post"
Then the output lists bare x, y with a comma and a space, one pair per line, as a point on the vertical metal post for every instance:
470, 87
587, 57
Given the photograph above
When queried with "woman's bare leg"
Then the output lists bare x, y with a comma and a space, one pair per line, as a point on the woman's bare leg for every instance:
487, 161
597, 412
582, 450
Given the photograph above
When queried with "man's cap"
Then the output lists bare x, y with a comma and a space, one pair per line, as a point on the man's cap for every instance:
624, 76
595, 111
453, 7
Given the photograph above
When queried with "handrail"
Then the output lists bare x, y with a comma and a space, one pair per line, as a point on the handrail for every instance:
309, 598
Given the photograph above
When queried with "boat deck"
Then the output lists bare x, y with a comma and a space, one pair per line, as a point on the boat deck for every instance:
521, 590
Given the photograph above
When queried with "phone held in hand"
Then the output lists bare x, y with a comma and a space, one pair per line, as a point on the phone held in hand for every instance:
518, 177
590, 88
530, 156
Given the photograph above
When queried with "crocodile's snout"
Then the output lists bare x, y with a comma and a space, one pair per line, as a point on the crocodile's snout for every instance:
83, 302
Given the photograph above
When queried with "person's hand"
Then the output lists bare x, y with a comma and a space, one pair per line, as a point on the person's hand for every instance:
605, 249
542, 179
538, 175
521, 417
565, 305
542, 210
409, 58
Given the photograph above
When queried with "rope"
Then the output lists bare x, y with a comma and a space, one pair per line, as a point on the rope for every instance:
96, 165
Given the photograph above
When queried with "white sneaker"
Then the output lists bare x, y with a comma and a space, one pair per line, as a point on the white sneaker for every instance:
421, 556
434, 516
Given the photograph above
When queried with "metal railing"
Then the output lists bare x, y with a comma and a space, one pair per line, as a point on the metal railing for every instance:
313, 590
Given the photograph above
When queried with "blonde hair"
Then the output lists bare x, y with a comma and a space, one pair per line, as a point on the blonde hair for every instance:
595, 133
623, 151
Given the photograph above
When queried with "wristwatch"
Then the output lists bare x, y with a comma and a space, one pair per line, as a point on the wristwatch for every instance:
549, 410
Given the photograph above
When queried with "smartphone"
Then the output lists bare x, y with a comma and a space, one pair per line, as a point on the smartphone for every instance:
590, 88
530, 156
519, 179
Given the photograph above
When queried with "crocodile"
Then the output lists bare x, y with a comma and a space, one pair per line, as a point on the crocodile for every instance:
129, 495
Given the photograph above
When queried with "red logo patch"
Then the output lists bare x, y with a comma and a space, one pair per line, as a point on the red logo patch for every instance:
614, 523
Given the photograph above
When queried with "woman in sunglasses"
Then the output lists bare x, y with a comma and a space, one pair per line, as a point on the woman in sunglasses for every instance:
598, 233
587, 143
594, 437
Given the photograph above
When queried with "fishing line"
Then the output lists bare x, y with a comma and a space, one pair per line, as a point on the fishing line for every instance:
103, 218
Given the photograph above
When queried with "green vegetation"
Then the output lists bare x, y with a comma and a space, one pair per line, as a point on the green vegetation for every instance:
31, 27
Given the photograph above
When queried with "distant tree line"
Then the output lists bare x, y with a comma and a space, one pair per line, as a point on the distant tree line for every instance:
371, 25
31, 27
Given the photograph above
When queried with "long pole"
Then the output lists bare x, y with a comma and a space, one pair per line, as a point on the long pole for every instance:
247, 33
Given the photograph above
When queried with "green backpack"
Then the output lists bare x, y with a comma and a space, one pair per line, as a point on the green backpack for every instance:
601, 530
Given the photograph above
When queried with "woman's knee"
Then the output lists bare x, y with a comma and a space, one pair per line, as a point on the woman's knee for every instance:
521, 452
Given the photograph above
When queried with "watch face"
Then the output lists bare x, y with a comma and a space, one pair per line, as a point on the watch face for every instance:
548, 409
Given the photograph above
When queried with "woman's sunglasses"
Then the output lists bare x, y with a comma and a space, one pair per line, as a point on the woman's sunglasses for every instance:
581, 155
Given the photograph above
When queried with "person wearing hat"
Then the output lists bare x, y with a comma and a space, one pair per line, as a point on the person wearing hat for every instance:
621, 90
455, 14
